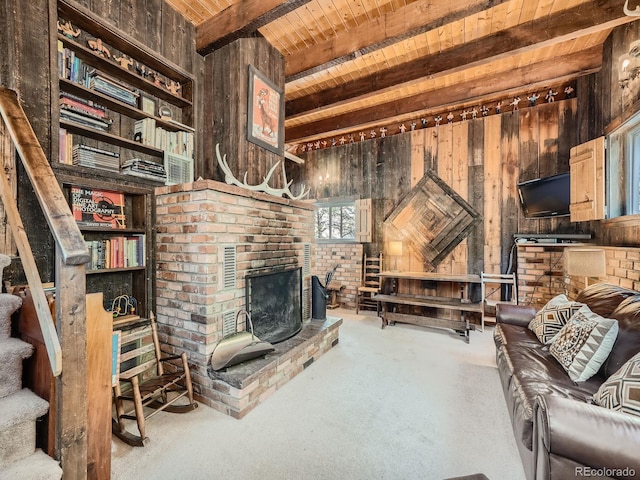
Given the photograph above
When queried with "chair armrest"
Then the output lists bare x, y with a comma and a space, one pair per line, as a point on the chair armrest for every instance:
587, 434
514, 314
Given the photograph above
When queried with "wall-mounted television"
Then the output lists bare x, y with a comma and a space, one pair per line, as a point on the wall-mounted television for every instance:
546, 196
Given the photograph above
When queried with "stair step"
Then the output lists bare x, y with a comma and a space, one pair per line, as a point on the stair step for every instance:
8, 304
38, 466
18, 413
12, 353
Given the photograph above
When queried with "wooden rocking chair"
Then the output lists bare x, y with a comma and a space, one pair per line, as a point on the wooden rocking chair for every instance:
142, 370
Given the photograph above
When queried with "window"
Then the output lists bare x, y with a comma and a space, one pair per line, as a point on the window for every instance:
623, 185
336, 221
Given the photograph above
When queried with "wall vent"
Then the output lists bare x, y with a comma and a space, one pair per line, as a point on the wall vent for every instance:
179, 169
229, 267
306, 307
229, 323
306, 261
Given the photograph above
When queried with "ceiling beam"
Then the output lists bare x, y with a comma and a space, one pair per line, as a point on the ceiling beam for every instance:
406, 22
242, 19
566, 25
560, 69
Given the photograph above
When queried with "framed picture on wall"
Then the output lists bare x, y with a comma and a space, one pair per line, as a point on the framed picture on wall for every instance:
265, 118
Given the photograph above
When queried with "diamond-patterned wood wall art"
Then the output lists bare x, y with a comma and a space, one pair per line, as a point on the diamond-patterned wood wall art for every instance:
432, 219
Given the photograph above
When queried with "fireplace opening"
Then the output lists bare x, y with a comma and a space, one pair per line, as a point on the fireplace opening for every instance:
274, 301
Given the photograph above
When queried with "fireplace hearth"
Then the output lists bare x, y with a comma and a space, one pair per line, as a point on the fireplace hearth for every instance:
274, 301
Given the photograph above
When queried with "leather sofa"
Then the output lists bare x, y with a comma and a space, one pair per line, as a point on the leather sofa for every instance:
560, 432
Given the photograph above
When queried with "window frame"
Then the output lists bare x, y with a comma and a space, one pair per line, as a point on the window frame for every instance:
335, 203
623, 167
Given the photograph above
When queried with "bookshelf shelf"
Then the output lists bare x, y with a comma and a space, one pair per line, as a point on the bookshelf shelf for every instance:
114, 270
125, 75
116, 106
110, 138
113, 231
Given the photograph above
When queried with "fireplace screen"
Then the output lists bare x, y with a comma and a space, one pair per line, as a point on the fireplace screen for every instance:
274, 301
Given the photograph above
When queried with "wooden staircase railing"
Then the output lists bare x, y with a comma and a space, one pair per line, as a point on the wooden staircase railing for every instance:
68, 363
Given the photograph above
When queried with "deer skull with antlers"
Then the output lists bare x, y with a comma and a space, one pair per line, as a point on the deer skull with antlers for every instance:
264, 186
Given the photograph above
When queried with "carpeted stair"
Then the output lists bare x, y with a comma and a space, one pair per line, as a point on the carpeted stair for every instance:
19, 408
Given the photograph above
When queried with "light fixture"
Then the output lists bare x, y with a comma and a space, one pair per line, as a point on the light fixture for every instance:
395, 250
585, 262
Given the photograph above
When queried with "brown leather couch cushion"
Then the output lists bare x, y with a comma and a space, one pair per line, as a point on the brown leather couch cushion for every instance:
604, 298
527, 370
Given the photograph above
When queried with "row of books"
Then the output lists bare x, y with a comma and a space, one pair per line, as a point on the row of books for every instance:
93, 157
85, 120
116, 252
82, 105
180, 143
145, 169
86, 156
72, 68
101, 83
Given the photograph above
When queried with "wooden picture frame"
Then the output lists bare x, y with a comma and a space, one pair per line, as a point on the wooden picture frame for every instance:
148, 104
265, 112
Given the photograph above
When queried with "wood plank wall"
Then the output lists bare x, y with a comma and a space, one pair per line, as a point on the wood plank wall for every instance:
481, 159
226, 106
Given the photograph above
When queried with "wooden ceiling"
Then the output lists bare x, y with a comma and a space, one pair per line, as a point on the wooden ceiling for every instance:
359, 65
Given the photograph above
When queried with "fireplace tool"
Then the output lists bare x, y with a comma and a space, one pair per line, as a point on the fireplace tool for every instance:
239, 347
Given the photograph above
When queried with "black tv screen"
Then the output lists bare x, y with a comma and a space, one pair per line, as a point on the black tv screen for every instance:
546, 197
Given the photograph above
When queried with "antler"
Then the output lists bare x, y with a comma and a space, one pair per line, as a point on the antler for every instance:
632, 13
262, 187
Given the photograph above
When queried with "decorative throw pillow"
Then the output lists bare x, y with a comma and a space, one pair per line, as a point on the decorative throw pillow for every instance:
621, 391
553, 316
584, 343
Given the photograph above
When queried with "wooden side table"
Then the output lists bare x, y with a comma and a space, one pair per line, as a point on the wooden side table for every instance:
334, 288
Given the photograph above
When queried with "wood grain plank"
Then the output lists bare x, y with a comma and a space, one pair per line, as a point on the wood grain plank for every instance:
492, 193
383, 30
509, 153
529, 160
240, 19
476, 193
445, 173
460, 183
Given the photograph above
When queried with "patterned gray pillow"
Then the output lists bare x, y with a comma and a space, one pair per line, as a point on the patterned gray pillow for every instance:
552, 317
584, 343
621, 391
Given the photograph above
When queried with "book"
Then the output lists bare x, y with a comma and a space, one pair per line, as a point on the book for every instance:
97, 208
84, 119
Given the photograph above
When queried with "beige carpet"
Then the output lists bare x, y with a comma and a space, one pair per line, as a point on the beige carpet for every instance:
401, 403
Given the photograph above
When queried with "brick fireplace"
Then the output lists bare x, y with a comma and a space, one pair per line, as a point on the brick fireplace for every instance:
210, 237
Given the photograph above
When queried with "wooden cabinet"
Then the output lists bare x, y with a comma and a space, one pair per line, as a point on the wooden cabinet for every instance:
122, 108
587, 181
125, 116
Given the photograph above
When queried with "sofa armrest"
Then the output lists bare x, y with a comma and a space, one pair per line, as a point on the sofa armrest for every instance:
585, 434
514, 314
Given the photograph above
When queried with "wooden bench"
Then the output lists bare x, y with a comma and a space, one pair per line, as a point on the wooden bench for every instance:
141, 368
461, 326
